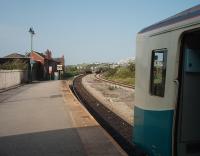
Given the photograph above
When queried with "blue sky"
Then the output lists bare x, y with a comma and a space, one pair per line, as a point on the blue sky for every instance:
85, 31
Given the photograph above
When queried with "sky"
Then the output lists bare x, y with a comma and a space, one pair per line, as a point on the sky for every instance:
84, 31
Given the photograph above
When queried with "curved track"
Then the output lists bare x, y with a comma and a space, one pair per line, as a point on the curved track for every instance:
114, 82
120, 130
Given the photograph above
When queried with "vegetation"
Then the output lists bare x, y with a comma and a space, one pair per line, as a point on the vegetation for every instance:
16, 64
125, 74
87, 70
70, 71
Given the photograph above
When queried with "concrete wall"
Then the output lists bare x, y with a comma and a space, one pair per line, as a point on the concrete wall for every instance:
9, 78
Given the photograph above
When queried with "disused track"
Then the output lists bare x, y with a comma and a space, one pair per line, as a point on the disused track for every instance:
120, 130
114, 82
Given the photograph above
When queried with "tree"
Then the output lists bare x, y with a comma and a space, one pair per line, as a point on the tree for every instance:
131, 66
14, 64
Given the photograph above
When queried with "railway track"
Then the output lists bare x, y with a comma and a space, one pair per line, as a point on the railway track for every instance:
120, 130
97, 76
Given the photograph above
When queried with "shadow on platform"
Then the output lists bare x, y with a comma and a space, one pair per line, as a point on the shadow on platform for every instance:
49, 143
62, 142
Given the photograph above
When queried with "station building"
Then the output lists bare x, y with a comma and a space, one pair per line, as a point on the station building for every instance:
41, 66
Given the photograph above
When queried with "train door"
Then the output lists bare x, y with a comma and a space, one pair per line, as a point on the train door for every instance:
187, 138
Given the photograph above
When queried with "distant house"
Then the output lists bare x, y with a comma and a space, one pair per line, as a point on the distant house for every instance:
46, 65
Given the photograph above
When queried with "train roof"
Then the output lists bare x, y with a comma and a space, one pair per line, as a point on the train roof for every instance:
184, 15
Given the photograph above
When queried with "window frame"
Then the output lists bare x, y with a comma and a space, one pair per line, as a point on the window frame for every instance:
152, 91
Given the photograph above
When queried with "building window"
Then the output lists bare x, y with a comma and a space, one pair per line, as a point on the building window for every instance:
158, 72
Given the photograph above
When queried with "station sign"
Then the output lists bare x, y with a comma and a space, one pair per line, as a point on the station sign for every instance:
59, 67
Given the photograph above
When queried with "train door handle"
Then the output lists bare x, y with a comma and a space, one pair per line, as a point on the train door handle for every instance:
176, 90
176, 82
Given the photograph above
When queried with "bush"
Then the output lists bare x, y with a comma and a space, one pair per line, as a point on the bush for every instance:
110, 72
14, 65
71, 69
124, 72
124, 75
131, 66
67, 75
101, 70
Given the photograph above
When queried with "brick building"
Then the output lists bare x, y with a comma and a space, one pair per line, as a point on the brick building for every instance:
39, 64
44, 65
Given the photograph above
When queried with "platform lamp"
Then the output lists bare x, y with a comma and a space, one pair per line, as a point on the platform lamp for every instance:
31, 31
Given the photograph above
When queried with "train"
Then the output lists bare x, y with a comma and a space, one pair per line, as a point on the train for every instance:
167, 86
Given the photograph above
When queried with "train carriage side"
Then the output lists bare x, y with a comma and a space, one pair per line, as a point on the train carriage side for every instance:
167, 90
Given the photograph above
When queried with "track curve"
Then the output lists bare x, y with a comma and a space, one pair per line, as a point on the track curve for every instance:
119, 129
97, 76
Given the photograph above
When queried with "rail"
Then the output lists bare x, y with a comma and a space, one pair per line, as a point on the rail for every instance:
97, 76
120, 130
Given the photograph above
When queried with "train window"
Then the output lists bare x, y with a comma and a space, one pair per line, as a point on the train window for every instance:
158, 72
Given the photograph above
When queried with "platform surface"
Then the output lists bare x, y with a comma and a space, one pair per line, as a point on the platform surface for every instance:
44, 119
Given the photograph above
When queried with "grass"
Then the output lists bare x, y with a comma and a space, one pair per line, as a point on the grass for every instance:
121, 74
128, 80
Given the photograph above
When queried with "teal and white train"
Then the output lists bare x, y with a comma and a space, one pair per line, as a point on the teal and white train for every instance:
167, 90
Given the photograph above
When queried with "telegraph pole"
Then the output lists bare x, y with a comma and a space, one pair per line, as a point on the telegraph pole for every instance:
31, 31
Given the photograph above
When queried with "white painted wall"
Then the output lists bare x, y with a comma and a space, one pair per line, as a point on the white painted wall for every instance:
9, 78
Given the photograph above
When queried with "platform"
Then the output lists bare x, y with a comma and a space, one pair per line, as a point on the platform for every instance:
45, 119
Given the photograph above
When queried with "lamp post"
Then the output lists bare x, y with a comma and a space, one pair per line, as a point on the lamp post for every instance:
31, 31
